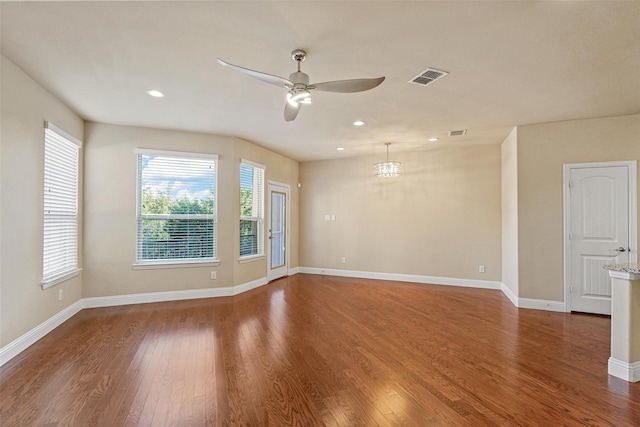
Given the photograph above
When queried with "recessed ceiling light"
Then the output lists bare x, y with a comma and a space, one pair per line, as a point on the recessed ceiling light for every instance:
340, 148
433, 139
155, 93
358, 123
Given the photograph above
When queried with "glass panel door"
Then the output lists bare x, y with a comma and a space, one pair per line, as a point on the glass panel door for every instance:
278, 234
278, 229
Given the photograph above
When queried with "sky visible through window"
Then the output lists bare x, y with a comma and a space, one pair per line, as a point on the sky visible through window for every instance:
179, 178
246, 177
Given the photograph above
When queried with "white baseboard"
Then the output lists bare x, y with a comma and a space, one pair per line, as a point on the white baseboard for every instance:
238, 289
536, 304
509, 293
115, 300
542, 304
626, 371
112, 301
23, 342
433, 280
294, 270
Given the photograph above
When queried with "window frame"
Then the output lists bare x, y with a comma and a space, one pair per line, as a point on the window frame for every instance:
146, 264
52, 278
260, 219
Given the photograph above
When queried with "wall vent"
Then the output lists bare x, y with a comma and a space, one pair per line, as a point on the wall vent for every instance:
428, 76
457, 132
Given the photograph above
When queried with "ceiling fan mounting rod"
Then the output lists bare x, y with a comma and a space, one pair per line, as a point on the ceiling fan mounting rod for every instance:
298, 55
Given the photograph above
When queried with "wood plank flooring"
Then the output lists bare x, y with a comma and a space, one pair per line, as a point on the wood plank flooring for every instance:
318, 350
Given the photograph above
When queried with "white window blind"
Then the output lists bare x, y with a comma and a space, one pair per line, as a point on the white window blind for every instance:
177, 198
251, 209
60, 243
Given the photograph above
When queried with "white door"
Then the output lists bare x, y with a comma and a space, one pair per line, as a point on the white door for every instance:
278, 232
598, 232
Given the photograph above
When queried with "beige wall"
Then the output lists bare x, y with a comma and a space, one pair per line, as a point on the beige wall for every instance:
542, 150
509, 180
440, 218
25, 108
108, 170
110, 209
452, 210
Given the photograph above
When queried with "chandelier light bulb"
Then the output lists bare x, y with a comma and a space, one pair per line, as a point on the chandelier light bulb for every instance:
388, 169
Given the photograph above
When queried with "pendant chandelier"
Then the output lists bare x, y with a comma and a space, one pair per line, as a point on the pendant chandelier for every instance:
388, 169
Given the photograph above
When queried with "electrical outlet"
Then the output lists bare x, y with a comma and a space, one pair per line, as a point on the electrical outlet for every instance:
344, 260
214, 275
59, 294
481, 269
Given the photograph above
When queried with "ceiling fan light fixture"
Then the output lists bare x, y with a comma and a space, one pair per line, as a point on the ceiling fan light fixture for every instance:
300, 96
291, 101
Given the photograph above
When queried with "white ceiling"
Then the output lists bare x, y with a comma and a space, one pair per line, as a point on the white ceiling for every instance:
510, 63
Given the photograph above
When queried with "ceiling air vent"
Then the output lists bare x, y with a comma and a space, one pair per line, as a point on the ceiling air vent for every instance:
428, 76
457, 132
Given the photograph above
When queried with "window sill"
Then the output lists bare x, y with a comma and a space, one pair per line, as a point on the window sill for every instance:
60, 278
185, 264
250, 258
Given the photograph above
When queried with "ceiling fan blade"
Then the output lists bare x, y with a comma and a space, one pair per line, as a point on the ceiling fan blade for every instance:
290, 111
268, 78
348, 86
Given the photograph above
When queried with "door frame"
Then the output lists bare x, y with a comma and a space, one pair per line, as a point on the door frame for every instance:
287, 219
633, 215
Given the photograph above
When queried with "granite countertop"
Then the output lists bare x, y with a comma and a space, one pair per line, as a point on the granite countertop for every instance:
625, 268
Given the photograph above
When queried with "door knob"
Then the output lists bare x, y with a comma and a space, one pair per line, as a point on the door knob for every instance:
620, 249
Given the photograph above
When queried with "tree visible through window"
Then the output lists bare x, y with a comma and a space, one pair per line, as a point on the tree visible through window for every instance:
251, 209
176, 207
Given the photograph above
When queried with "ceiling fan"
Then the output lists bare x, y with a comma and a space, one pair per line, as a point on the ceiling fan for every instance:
299, 87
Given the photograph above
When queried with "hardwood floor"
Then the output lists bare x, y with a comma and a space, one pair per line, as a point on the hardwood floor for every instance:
318, 350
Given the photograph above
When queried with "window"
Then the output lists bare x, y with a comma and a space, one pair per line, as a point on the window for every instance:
60, 240
251, 209
177, 198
